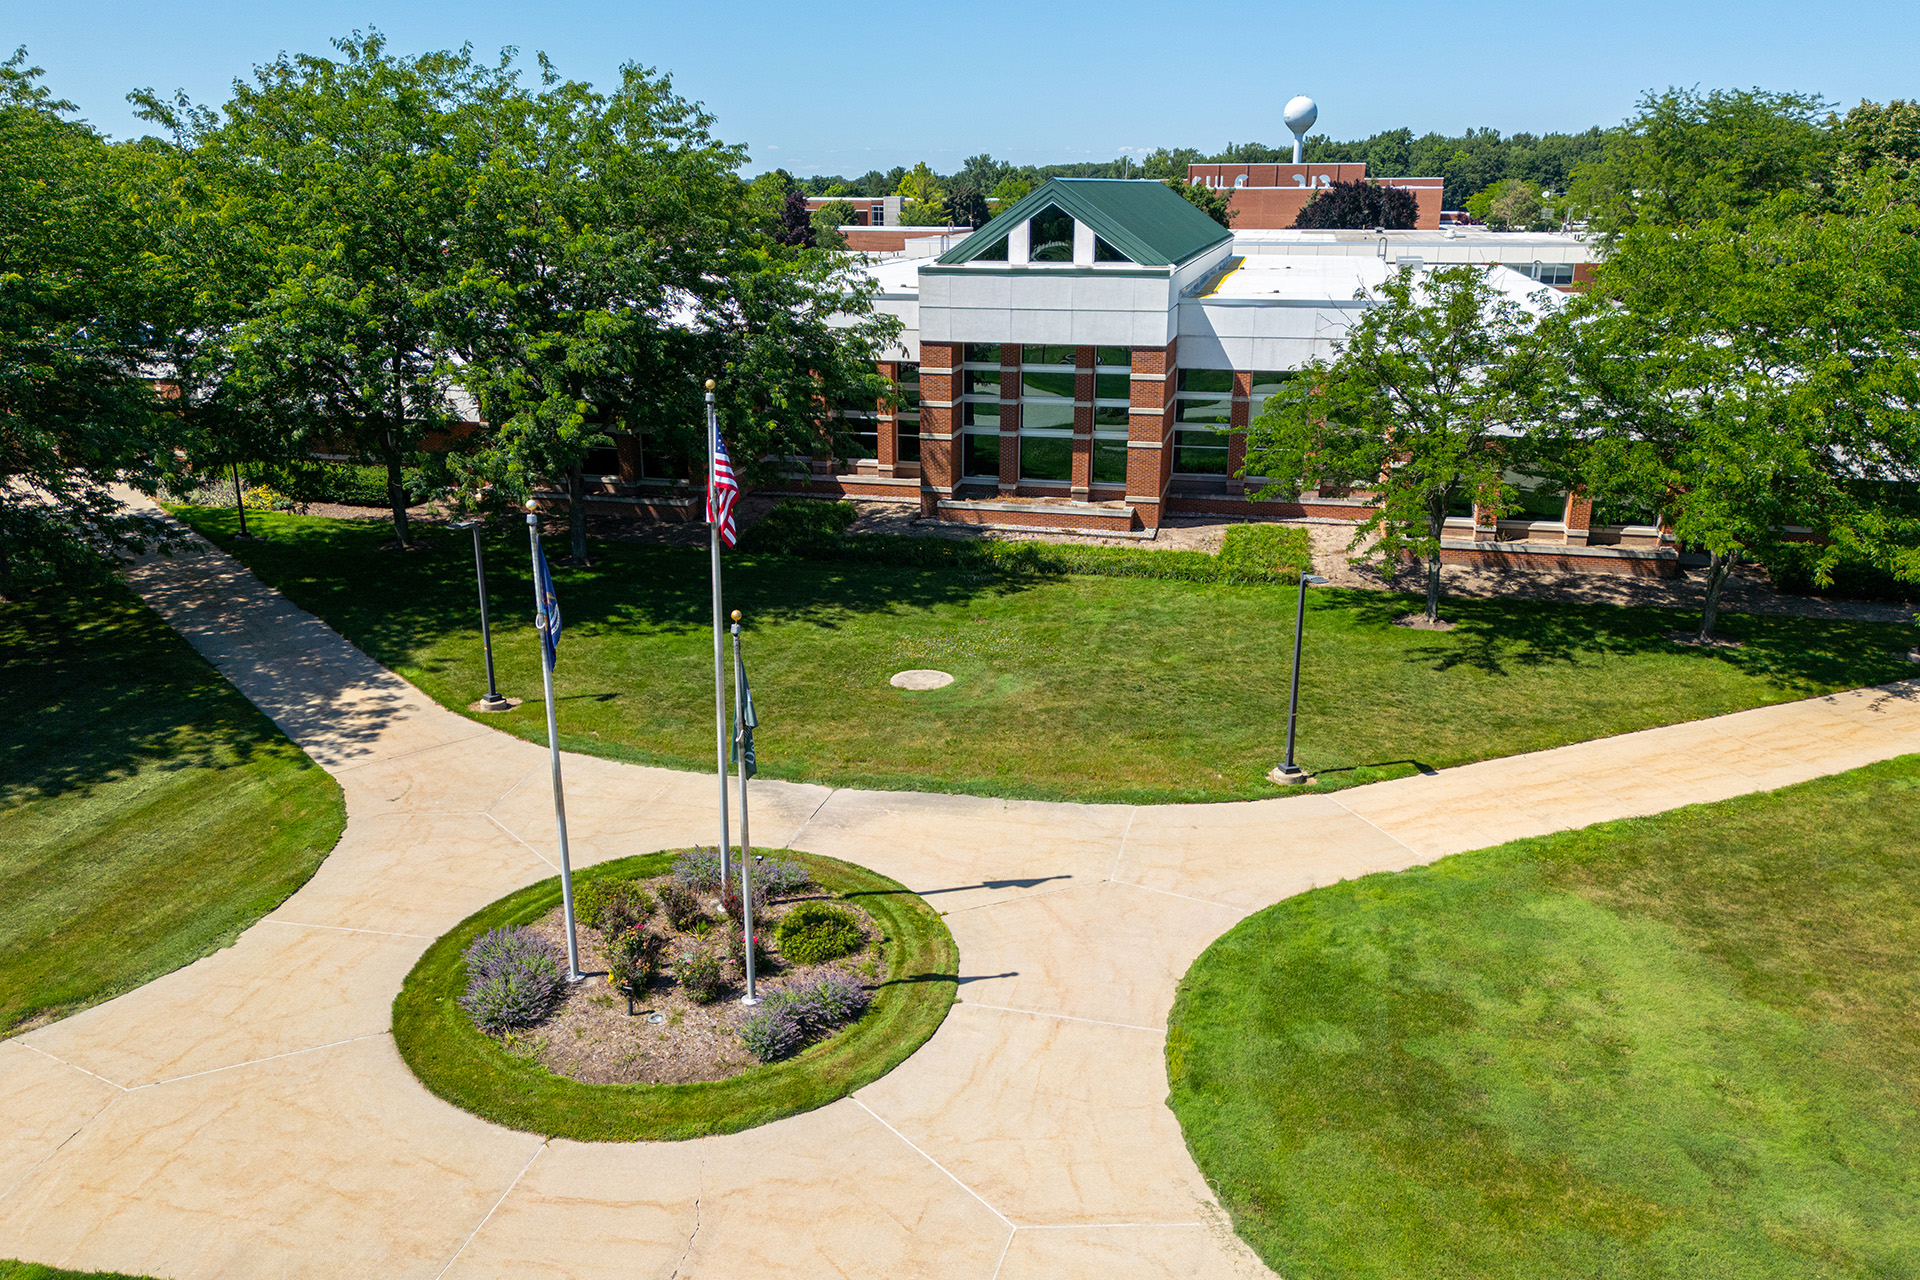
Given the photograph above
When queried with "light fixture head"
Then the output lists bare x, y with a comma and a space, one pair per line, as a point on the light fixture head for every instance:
1313, 580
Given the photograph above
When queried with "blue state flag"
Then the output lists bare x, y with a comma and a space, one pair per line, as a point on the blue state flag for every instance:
548, 620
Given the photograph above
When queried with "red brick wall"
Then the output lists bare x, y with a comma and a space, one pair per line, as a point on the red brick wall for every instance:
1274, 194
1150, 431
939, 435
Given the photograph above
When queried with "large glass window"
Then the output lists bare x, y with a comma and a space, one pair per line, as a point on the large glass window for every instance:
1050, 235
1200, 453
980, 457
1066, 357
1207, 380
981, 353
1046, 457
985, 414
1203, 398
1112, 393
981, 382
1046, 384
906, 418
1104, 252
1046, 415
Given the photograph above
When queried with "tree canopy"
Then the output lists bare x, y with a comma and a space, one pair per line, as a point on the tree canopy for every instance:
1357, 205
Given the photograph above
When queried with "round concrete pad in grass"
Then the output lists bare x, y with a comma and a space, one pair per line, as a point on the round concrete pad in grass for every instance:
477, 1073
920, 680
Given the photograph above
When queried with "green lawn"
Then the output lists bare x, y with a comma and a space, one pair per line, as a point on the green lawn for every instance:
148, 813
10, 1269
1068, 687
1680, 1046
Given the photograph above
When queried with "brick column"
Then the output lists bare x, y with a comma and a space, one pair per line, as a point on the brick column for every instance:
627, 445
1082, 474
1150, 432
1486, 521
939, 423
889, 446
1579, 518
1240, 414
1009, 418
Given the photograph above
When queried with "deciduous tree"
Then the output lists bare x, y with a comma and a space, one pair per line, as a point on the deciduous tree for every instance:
79, 317
1426, 406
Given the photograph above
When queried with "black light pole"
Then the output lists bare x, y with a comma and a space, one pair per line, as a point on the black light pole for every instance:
1288, 771
493, 701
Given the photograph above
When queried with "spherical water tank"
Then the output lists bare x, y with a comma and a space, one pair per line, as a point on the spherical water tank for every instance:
1300, 113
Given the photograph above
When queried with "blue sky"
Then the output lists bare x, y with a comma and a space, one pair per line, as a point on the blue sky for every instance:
834, 88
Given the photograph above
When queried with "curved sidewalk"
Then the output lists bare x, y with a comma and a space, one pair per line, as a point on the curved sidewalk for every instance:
248, 1114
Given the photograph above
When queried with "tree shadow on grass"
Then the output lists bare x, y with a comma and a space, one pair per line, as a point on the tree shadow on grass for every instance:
397, 607
95, 687
1501, 637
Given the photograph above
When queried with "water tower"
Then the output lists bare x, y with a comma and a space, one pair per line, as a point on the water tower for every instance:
1300, 113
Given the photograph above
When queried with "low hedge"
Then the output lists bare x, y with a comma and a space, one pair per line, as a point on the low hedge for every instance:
816, 530
474, 1072
349, 484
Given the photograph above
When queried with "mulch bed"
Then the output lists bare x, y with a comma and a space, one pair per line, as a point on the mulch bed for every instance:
590, 1037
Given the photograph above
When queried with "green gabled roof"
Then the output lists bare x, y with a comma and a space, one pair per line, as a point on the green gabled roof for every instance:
1142, 218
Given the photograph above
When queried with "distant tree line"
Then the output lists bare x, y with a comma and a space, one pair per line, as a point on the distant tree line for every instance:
1470, 162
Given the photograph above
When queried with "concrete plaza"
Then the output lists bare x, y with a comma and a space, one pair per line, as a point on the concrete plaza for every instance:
248, 1115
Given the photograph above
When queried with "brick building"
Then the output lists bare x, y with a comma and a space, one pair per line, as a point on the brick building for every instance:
1078, 363
1270, 196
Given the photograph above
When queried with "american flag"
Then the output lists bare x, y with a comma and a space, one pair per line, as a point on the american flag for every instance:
723, 493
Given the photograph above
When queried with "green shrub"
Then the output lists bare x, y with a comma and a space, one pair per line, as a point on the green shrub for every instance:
611, 906
349, 484
814, 530
817, 931
682, 908
1792, 570
702, 975
633, 961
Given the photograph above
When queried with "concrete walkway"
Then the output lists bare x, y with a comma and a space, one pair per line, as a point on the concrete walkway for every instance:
248, 1115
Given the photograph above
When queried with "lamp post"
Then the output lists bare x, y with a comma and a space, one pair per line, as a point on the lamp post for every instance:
493, 701
1287, 771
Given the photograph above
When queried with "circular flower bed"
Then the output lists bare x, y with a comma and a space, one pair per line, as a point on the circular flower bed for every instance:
654, 1044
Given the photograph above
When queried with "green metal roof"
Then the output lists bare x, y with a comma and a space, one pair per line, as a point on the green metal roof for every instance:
1142, 218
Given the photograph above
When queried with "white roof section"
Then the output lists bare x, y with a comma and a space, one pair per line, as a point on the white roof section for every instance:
1447, 245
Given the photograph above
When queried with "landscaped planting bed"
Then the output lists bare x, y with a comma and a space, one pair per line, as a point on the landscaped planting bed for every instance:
667, 957
854, 973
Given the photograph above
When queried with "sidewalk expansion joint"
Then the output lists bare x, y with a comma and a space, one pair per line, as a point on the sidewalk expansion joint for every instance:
1113, 873
76, 1066
935, 1163
810, 817
254, 1062
1063, 1017
341, 928
495, 1209
1207, 902
529, 848
1383, 831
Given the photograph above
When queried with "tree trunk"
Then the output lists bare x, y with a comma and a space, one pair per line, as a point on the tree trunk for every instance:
1436, 525
396, 493
239, 500
6, 572
1718, 567
577, 513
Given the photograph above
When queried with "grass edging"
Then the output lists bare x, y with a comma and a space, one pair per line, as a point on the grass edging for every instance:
463, 1066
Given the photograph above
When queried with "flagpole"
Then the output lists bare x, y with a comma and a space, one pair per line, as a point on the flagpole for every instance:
746, 843
719, 678
553, 749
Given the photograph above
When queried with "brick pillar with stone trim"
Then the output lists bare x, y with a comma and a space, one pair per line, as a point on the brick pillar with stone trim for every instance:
1150, 432
627, 445
887, 444
1239, 415
1009, 418
939, 423
1579, 518
1082, 473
